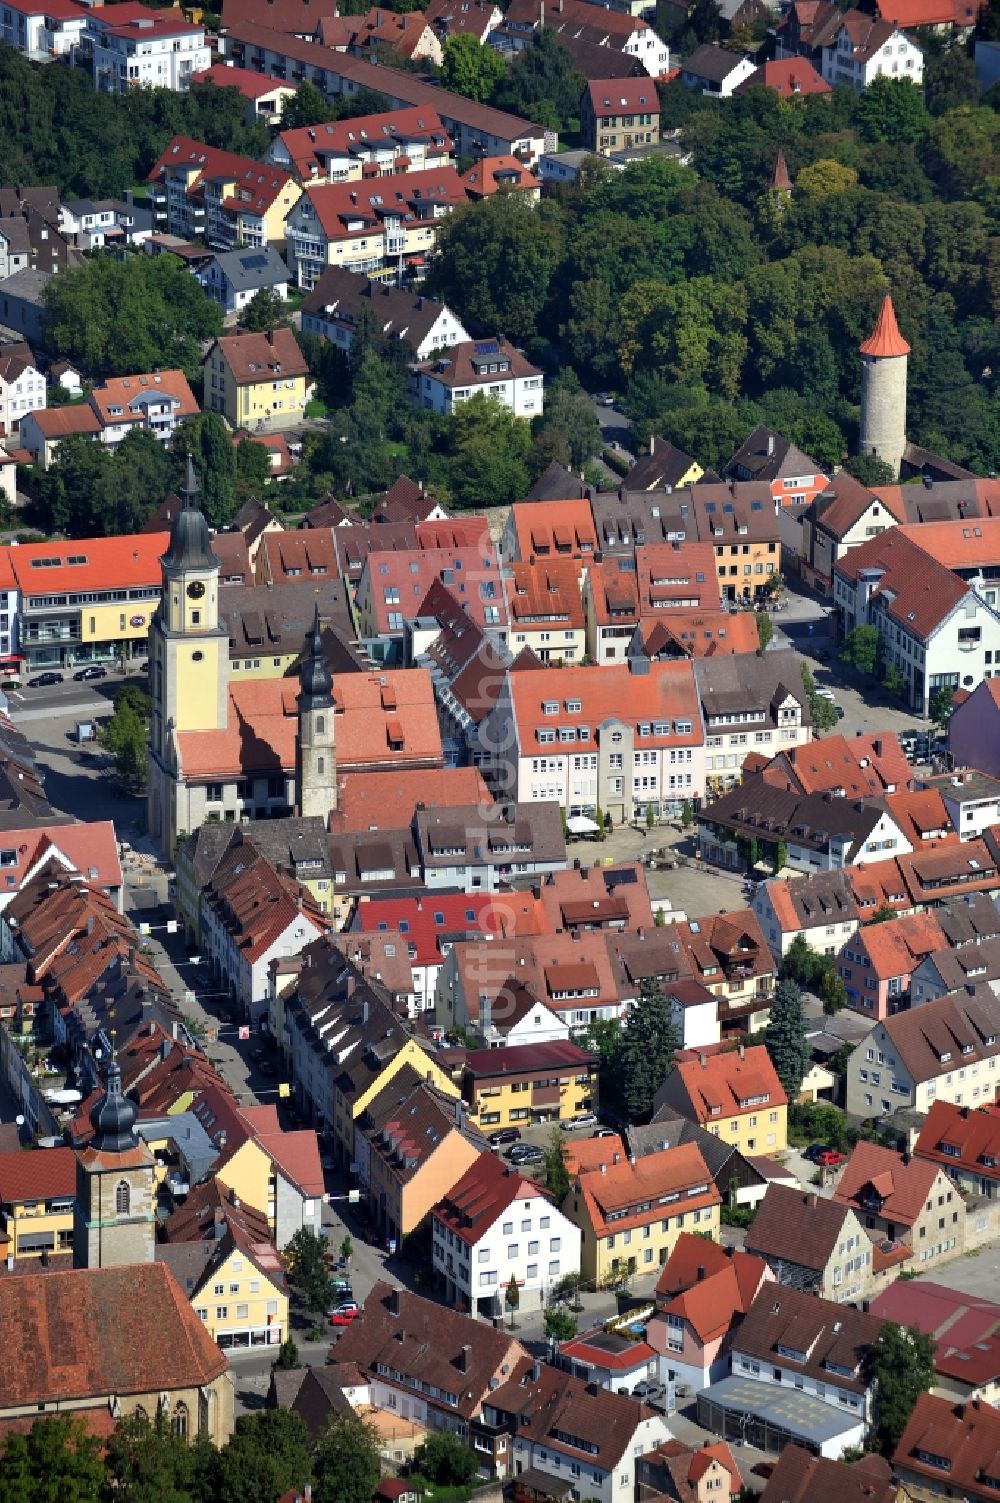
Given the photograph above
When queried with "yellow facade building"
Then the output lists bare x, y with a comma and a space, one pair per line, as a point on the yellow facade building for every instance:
631, 1212
352, 1097
257, 381
37, 1197
737, 1096
220, 1251
411, 1149
526, 1083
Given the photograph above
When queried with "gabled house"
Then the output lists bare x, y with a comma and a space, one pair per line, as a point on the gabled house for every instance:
490, 366
565, 1433
492, 1226
619, 112
222, 1255
812, 1244
842, 516
430, 1364
340, 151
715, 70
22, 387
820, 907
686, 1474
202, 192
813, 831
413, 1146
765, 455
877, 963
750, 702
793, 1346
257, 380
946, 1050
948, 1445
799, 1476
37, 1204
728, 955
702, 1296
905, 1202
232, 278
342, 302
864, 47
631, 1213
965, 1143
736, 1095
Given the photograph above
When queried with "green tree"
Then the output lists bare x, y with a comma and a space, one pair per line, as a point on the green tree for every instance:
207, 440
126, 737
146, 1462
824, 177
882, 915
512, 1298
892, 110
346, 1466
942, 702
471, 69
306, 1252
765, 628
266, 310
347, 1250
805, 965
570, 420
687, 814
543, 84
307, 106
288, 1355
833, 992
445, 1461
893, 681
862, 648
560, 1325
489, 449
113, 316
822, 712
268, 1453
950, 81
901, 1366
493, 261
253, 469
55, 1462
554, 1170
785, 1038
645, 1051
870, 470
650, 817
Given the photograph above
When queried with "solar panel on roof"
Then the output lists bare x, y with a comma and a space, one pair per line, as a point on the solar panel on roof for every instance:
253, 263
488, 347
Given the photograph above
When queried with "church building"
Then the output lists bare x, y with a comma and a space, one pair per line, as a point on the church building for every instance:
228, 751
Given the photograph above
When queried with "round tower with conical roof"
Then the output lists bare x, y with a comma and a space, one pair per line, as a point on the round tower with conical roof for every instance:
315, 750
883, 390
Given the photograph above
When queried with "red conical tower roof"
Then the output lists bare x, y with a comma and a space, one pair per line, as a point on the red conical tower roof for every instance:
781, 178
885, 339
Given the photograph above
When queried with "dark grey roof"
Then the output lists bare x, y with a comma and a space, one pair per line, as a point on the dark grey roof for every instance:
248, 269
714, 64
185, 1130
969, 920
190, 544
315, 681
745, 682
767, 455
113, 1116
344, 297
670, 1130
274, 619
661, 469
556, 483
503, 833
755, 808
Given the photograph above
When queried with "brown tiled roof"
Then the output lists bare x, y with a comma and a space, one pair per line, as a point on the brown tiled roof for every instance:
426, 1341
829, 1335
26, 1175
800, 1477
972, 1136
965, 1438
547, 1405
796, 1226
923, 591
259, 357
90, 1332
487, 1189
902, 1184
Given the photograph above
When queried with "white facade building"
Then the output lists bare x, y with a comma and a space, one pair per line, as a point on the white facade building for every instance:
491, 366
868, 49
54, 29
493, 1226
22, 389
160, 50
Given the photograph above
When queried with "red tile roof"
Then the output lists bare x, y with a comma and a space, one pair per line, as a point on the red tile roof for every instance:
501, 174
624, 1187
37, 1175
666, 698
130, 392
902, 1184
252, 358
958, 543
715, 1085
924, 591
250, 85
94, 1333
789, 76
885, 340
554, 528
310, 146
623, 96
434, 918
726, 1288
964, 1437
90, 564
975, 1134
487, 1189
347, 209
897, 947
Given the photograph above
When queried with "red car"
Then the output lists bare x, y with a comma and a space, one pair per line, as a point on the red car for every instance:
344, 1314
829, 1158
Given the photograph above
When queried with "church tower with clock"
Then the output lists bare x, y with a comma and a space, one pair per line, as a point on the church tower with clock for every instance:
188, 654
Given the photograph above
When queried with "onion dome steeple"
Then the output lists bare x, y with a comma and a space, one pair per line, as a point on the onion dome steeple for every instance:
190, 545
113, 1116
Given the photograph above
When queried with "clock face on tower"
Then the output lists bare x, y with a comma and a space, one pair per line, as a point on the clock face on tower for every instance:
195, 590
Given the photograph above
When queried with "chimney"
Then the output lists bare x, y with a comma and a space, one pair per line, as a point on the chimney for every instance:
700, 1273
604, 1168
393, 1301
743, 1052
812, 1201
770, 443
536, 1372
703, 1060
270, 336
463, 1358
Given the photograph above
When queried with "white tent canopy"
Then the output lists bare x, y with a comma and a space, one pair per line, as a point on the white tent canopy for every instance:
582, 824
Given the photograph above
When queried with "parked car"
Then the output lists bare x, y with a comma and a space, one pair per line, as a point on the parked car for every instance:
504, 1135
840, 711
648, 1389
42, 680
344, 1314
524, 1153
92, 670
822, 692
604, 1132
822, 1153
343, 1293
582, 1119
